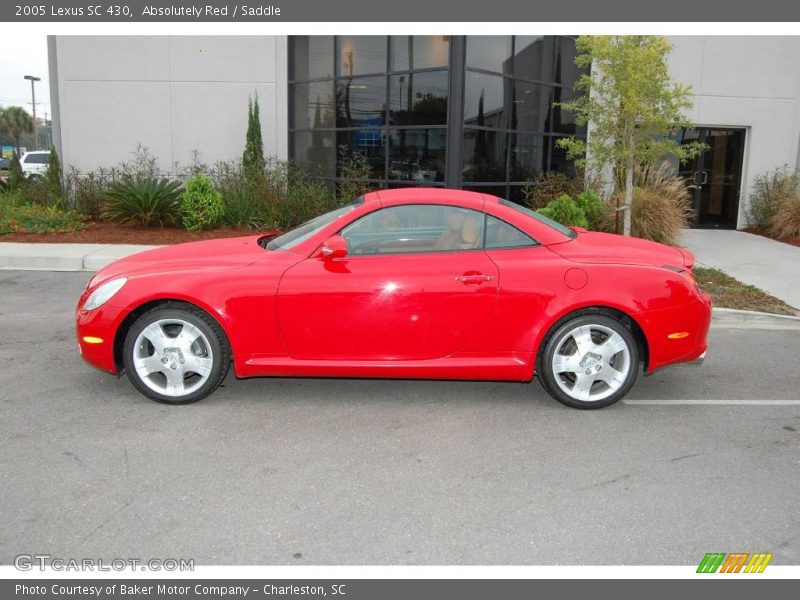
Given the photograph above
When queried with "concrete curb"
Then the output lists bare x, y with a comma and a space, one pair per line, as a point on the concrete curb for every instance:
730, 317
63, 257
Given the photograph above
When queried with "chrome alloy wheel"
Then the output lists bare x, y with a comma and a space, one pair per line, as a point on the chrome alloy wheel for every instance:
591, 362
172, 357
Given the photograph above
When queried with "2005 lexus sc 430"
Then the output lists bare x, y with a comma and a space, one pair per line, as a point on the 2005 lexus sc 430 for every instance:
410, 283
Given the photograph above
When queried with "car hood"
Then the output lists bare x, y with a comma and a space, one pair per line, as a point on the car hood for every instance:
608, 248
224, 253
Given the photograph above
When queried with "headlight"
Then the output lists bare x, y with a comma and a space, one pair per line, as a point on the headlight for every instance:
104, 293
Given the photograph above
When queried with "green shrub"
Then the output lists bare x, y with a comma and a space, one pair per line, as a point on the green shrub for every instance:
35, 218
770, 189
247, 196
354, 172
10, 197
16, 179
143, 200
566, 211
85, 193
593, 208
281, 197
37, 191
53, 178
201, 204
548, 186
306, 198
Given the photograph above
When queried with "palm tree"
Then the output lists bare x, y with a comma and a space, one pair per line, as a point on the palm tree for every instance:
15, 121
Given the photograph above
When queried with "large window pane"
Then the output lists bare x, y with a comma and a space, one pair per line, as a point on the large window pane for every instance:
490, 52
567, 72
417, 155
484, 155
313, 151
362, 55
418, 99
361, 102
528, 156
486, 100
369, 143
311, 56
312, 104
419, 51
564, 120
532, 102
533, 57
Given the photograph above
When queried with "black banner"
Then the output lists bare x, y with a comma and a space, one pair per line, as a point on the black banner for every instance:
131, 11
393, 589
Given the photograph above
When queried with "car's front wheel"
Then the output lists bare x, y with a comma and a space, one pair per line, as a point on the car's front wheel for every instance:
176, 355
589, 361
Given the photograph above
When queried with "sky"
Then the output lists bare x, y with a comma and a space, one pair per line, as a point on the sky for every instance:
23, 54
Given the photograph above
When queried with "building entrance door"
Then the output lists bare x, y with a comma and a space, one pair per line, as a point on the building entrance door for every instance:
715, 175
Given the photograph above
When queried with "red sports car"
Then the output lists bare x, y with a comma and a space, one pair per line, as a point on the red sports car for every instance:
411, 283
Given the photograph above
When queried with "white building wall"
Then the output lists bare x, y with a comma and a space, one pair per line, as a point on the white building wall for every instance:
173, 94
749, 82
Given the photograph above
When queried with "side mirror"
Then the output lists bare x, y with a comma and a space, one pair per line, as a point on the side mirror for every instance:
334, 247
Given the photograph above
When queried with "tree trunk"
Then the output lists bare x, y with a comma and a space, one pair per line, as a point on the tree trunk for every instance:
626, 226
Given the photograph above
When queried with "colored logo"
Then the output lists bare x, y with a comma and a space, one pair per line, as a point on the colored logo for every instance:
735, 562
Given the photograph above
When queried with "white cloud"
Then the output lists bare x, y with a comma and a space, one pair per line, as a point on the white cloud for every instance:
23, 53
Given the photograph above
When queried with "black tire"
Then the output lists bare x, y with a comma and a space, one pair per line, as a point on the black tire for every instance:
219, 347
555, 342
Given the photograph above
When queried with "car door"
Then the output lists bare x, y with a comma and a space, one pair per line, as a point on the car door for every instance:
416, 284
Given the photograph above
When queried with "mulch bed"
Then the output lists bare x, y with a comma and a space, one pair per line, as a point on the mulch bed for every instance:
762, 233
111, 233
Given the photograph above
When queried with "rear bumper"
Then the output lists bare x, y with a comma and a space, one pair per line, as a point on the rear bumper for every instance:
698, 361
679, 334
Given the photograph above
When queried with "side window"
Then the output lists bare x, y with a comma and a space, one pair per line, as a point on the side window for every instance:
500, 234
415, 228
37, 159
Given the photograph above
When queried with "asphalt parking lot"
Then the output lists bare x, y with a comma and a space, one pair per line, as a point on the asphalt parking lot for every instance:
380, 472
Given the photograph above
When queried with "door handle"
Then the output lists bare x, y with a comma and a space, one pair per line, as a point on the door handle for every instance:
473, 278
700, 178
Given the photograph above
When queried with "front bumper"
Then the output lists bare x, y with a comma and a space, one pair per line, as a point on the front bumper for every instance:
95, 330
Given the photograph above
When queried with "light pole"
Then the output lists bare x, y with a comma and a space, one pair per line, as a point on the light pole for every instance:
33, 80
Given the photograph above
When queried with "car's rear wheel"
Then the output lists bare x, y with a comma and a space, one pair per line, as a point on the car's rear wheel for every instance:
589, 361
176, 355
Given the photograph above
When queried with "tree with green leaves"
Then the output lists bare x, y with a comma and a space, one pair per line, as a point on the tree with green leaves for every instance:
54, 177
632, 105
14, 121
16, 178
253, 157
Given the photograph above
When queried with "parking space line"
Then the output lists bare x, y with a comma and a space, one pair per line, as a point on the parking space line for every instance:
713, 402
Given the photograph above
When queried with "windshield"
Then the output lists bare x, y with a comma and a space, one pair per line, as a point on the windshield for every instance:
309, 228
541, 218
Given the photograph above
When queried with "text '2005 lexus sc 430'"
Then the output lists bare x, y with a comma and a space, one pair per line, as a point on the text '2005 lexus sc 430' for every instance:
409, 283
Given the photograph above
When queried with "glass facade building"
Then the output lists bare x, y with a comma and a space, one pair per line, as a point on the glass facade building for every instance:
472, 112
